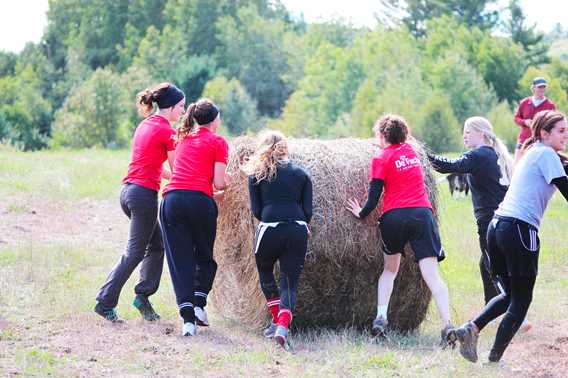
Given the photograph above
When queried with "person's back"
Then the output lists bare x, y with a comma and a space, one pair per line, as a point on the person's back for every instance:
283, 197
401, 170
196, 156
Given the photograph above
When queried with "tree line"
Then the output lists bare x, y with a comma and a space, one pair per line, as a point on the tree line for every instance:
436, 62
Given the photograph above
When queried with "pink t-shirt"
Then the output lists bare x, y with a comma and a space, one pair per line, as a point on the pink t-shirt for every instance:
196, 156
400, 169
152, 140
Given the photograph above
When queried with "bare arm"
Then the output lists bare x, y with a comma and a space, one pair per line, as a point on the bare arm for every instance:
167, 174
220, 177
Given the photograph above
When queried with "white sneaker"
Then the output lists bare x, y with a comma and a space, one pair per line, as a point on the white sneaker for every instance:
189, 329
201, 317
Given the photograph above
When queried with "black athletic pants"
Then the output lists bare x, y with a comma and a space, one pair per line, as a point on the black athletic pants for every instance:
287, 243
513, 247
189, 224
144, 246
490, 283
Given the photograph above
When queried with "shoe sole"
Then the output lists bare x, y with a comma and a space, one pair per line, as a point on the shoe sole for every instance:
115, 321
201, 323
465, 345
281, 340
450, 340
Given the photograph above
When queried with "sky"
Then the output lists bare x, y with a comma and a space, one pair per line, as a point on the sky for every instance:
22, 21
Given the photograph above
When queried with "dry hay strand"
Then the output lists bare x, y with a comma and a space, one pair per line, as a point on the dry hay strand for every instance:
338, 287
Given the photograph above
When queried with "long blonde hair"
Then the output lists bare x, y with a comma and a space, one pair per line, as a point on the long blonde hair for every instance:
504, 159
271, 152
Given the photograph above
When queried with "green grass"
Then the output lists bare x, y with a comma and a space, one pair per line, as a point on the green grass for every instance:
48, 285
62, 174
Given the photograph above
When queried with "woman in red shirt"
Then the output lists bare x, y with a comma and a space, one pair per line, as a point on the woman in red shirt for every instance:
407, 217
188, 213
152, 144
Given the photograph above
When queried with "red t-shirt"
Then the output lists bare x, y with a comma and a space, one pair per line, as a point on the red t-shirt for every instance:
152, 140
527, 110
400, 169
196, 156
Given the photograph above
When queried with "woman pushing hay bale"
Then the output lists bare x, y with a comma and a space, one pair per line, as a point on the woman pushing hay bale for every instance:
338, 285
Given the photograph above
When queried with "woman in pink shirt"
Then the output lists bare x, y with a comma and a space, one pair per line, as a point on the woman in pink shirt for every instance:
188, 213
152, 145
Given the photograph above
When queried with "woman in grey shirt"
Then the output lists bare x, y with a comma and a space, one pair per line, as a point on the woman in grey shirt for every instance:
512, 238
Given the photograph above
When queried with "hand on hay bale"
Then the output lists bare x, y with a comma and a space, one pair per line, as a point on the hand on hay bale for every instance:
338, 285
354, 207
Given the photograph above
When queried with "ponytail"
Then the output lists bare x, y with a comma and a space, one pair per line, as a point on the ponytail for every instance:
202, 113
145, 102
504, 159
165, 95
188, 124
271, 152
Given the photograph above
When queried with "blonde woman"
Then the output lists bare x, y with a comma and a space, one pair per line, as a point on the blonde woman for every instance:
488, 168
281, 199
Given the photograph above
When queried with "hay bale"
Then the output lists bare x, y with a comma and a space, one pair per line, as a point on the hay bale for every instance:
338, 286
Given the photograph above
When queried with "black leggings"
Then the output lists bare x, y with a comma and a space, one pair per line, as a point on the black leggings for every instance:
513, 247
287, 243
189, 223
490, 283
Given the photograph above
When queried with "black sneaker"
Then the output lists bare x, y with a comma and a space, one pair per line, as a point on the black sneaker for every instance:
495, 356
379, 328
143, 305
449, 337
467, 336
109, 314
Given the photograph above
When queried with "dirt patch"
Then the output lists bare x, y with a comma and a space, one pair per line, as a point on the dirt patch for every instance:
543, 352
33, 221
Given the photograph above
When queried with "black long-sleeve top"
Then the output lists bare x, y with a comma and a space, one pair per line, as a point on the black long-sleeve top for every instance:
288, 197
482, 173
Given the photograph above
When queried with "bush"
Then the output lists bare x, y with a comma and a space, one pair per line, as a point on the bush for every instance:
501, 117
439, 129
93, 114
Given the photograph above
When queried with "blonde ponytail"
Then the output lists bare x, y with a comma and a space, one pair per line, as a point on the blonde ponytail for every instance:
504, 159
271, 152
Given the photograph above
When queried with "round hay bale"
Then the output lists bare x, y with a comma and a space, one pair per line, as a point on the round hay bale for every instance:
338, 287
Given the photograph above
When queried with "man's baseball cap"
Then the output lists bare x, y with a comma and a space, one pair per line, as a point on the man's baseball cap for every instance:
539, 82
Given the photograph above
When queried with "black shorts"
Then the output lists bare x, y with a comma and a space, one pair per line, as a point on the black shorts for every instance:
414, 225
513, 247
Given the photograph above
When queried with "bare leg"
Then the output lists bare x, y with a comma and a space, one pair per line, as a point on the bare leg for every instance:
429, 268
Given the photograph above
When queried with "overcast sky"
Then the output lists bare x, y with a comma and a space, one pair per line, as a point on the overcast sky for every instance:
24, 20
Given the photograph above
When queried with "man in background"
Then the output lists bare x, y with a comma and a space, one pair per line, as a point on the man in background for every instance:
528, 107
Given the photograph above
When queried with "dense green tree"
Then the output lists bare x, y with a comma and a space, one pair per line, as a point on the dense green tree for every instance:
501, 117
94, 114
468, 94
254, 54
332, 77
7, 63
532, 41
415, 13
238, 109
26, 114
439, 129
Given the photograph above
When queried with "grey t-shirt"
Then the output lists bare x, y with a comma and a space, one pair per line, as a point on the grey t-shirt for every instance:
531, 186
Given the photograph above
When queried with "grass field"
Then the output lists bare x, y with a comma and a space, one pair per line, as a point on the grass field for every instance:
61, 230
